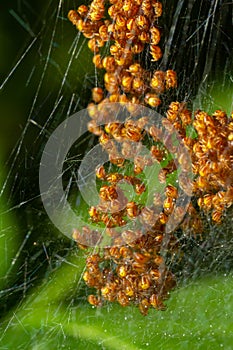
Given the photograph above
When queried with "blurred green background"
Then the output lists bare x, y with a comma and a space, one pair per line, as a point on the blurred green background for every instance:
46, 74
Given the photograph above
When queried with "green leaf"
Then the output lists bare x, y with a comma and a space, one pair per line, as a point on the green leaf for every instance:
55, 315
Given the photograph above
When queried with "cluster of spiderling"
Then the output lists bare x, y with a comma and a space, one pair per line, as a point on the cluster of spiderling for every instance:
130, 27
211, 152
133, 268
212, 160
140, 274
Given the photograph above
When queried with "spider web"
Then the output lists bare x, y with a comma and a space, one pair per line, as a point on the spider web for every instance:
49, 76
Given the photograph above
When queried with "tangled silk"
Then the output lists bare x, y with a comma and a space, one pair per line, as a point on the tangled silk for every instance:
133, 270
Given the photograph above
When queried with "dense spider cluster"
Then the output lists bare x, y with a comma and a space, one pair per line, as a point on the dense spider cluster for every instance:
212, 160
211, 152
133, 268
139, 274
130, 26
